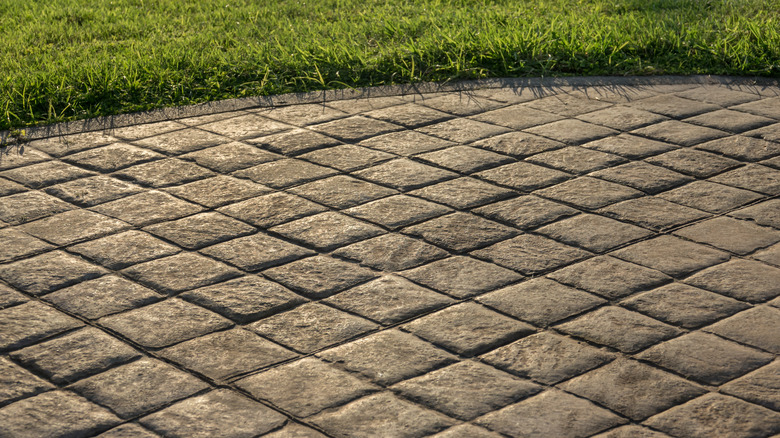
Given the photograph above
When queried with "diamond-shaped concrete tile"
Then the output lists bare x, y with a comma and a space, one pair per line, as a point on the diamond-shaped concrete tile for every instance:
355, 128
112, 157
468, 329
182, 141
225, 354
244, 299
388, 356
142, 130
391, 252
341, 191
11, 157
124, 249
94, 190
517, 117
294, 142
609, 277
671, 255
619, 328
539, 357
320, 276
73, 226
163, 173
397, 211
684, 305
551, 413
673, 106
8, 187
68, 144
685, 134
28, 206
630, 146
138, 387
593, 232
567, 104
404, 174
327, 231
631, 431
9, 297
694, 162
103, 296
165, 323
463, 130
180, 272
741, 237
518, 144
220, 190
752, 177
245, 126
742, 279
303, 114
16, 244
405, 143
465, 159
709, 196
461, 104
728, 120
463, 193
466, 430
589, 192
466, 390
389, 300
290, 386
511, 94
272, 209
769, 133
767, 107
30, 322
761, 387
773, 162
294, 430
652, 212
311, 327
256, 252
45, 174
572, 131
283, 173
756, 327
524, 176
200, 230
381, 414
18, 383
540, 301
713, 414
230, 157
770, 255
147, 208
76, 355
576, 159
765, 213
633, 389
55, 413
531, 254
706, 358
347, 157
208, 118
409, 115
526, 211
646, 177
218, 412
719, 95
47, 272
461, 231
623, 118
462, 277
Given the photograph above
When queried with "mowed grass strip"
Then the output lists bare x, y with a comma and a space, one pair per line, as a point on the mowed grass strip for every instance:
69, 59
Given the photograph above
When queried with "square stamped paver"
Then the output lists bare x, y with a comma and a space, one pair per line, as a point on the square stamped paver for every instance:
526, 212
86, 192
405, 143
463, 130
623, 118
112, 157
671, 255
245, 126
404, 174
742, 148
460, 231
164, 173
182, 141
754, 177
29, 206
230, 157
710, 197
200, 230
256, 252
409, 115
180, 272
30, 322
524, 176
684, 134
587, 192
217, 191
397, 211
575, 159
571, 131
284, 173
461, 276
327, 231
294, 142
16, 244
694, 162
517, 117
341, 191
728, 120
103, 296
391, 252
44, 174
347, 157
19, 383
765, 213
245, 299
593, 232
518, 144
303, 114
738, 236
73, 226
320, 276
124, 249
355, 128
760, 387
531, 254
463, 193
147, 208
673, 106
643, 176
48, 272
272, 209
754, 327
653, 212
744, 280
609, 277
465, 159
630, 146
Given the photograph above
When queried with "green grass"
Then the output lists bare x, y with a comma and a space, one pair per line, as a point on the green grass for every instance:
69, 59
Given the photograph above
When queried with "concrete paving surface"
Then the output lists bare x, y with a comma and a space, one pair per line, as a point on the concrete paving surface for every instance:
552, 261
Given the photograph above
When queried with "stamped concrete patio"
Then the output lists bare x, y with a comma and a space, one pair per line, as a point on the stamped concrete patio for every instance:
540, 260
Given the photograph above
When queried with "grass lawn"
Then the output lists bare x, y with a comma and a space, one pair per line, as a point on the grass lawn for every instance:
69, 59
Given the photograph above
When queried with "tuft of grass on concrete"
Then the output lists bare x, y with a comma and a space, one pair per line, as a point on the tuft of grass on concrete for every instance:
71, 59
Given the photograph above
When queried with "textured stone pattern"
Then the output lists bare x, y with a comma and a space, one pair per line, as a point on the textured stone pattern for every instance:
550, 262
